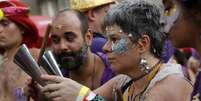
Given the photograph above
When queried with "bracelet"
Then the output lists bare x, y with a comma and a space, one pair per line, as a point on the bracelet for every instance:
83, 92
98, 98
90, 96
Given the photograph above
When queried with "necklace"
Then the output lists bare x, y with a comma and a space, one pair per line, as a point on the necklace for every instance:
153, 73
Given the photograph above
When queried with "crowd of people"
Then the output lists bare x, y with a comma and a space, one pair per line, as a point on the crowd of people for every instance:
133, 50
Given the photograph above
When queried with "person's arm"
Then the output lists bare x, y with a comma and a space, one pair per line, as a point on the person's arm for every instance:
63, 89
106, 89
172, 88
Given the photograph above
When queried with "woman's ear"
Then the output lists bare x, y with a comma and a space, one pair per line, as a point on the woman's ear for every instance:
89, 38
144, 43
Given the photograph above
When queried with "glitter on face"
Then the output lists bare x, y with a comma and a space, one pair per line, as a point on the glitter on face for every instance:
120, 47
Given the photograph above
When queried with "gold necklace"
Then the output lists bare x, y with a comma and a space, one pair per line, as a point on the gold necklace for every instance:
149, 78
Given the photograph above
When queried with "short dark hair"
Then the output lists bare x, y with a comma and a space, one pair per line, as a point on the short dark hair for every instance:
138, 18
81, 16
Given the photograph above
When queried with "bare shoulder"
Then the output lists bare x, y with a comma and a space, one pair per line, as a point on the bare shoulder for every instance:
172, 88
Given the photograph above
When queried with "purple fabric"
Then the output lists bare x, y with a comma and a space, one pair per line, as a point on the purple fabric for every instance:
195, 54
19, 96
168, 51
98, 42
197, 89
107, 74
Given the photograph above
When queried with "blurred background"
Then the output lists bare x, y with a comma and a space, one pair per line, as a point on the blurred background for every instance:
46, 7
42, 12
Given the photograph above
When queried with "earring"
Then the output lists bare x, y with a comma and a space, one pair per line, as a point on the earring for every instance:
144, 65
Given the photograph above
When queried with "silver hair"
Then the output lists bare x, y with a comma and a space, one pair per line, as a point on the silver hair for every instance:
138, 17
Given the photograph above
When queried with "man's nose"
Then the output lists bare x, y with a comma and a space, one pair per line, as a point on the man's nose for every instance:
64, 46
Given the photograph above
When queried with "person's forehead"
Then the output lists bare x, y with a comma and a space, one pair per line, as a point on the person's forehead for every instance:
113, 29
66, 20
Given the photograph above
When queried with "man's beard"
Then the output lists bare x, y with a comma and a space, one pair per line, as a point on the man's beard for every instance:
72, 60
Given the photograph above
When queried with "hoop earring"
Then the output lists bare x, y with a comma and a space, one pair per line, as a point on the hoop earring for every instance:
144, 65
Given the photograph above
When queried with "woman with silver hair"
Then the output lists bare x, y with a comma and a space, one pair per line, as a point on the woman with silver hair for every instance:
134, 48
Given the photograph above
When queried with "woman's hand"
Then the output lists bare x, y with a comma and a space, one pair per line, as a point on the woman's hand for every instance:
33, 90
60, 89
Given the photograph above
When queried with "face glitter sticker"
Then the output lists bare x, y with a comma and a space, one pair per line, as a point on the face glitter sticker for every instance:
119, 40
120, 47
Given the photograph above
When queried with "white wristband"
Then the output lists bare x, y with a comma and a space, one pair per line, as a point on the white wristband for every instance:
91, 96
